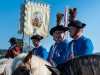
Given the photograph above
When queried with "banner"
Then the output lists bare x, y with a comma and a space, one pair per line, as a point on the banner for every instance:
36, 19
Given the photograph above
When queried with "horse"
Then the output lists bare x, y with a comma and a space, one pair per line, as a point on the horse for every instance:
5, 60
81, 65
5, 66
2, 69
29, 64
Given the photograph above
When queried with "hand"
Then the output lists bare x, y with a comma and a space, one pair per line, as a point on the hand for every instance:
23, 40
14, 51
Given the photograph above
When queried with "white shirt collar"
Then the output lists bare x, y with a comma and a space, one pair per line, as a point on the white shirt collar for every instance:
11, 47
38, 46
78, 37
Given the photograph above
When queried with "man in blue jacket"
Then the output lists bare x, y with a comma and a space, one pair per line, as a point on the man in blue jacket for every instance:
80, 45
39, 50
58, 51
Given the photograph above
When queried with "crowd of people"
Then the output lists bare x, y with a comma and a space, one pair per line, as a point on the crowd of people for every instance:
62, 49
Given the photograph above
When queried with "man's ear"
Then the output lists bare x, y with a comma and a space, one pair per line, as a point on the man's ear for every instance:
53, 70
29, 56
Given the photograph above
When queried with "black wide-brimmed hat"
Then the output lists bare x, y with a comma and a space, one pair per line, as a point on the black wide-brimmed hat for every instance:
37, 37
58, 27
77, 23
13, 40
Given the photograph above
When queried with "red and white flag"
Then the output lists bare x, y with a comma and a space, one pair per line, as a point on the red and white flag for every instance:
65, 16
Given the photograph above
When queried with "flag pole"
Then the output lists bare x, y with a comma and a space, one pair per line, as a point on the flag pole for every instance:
66, 18
29, 43
23, 42
23, 31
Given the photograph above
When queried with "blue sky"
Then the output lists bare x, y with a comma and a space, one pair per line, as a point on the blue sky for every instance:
88, 12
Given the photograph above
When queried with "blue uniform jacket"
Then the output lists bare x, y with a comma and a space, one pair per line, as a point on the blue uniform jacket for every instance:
60, 53
82, 46
42, 52
25, 51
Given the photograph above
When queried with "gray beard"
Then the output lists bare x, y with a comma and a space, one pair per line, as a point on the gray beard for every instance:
58, 41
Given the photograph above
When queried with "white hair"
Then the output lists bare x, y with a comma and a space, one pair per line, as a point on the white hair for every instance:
2, 68
17, 61
6, 60
5, 66
37, 64
7, 69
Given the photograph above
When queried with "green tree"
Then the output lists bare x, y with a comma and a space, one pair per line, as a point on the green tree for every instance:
19, 42
3, 52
